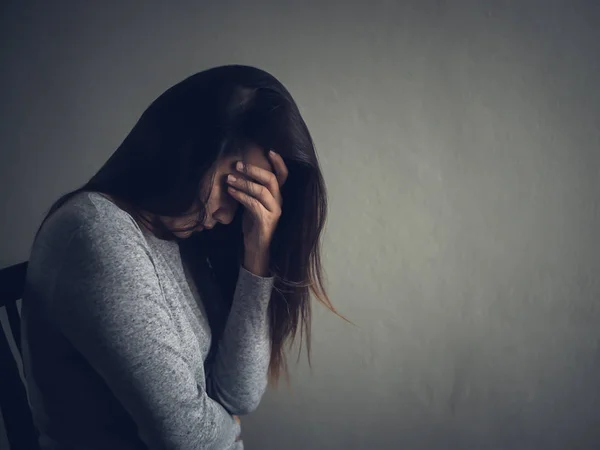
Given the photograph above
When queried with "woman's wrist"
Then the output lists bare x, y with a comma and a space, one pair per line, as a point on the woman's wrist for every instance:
258, 264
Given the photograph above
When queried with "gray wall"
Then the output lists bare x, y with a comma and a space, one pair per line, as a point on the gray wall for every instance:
460, 144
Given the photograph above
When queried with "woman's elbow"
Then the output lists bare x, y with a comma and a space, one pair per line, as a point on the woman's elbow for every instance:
240, 403
245, 406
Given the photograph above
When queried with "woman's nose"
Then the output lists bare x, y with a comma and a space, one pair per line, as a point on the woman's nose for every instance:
226, 213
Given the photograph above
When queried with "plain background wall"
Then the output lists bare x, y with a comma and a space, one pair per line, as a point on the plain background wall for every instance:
460, 144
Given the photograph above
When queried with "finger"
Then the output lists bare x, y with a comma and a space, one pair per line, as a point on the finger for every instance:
253, 196
256, 191
281, 169
263, 176
250, 203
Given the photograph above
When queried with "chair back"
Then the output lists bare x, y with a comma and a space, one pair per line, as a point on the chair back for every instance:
16, 414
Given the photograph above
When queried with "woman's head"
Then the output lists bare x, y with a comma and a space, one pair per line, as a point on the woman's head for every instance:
219, 206
170, 172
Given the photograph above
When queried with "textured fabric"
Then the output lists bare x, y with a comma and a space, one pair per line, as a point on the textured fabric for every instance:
115, 339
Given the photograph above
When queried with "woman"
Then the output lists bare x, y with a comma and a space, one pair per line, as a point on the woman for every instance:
160, 294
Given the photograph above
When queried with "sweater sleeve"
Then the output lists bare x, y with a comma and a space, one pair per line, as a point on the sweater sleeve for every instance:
109, 303
238, 377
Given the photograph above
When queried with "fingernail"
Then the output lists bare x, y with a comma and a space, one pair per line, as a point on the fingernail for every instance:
231, 178
272, 153
240, 165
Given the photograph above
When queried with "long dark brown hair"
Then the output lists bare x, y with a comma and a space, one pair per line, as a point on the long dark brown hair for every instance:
179, 139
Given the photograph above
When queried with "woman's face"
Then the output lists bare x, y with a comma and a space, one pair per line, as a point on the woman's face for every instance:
221, 207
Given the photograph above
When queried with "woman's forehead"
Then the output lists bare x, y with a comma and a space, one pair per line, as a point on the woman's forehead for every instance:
254, 155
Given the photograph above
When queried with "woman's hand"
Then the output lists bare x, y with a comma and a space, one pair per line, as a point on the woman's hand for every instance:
260, 194
237, 419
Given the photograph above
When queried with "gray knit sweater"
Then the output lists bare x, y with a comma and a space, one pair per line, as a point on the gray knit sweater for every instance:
115, 338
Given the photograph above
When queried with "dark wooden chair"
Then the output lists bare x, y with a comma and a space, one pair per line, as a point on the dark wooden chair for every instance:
18, 422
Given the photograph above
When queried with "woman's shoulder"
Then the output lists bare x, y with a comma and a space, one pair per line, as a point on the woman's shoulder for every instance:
88, 214
85, 233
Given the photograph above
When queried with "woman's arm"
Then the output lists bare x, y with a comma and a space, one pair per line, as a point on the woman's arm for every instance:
108, 302
238, 376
